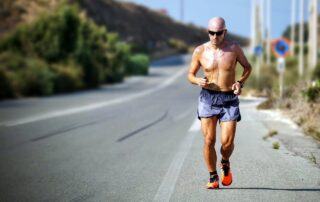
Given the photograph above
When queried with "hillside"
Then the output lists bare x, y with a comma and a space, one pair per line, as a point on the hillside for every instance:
149, 30
142, 25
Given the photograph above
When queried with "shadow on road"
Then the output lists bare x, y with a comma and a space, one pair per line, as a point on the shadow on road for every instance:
273, 189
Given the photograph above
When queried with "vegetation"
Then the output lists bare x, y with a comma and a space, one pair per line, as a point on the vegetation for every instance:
138, 64
312, 93
62, 52
270, 134
275, 145
312, 158
180, 45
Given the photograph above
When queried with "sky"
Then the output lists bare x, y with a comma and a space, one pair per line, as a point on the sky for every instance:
237, 13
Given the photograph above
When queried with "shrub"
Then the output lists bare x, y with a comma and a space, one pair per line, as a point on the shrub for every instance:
55, 36
316, 72
275, 145
138, 65
86, 51
67, 77
178, 44
10, 64
6, 86
118, 55
61, 52
312, 93
36, 78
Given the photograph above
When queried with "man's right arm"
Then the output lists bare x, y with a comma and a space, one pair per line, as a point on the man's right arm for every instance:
194, 67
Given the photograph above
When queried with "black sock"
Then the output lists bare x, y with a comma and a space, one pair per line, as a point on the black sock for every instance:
213, 175
224, 161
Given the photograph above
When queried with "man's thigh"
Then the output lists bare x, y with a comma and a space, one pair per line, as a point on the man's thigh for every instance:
208, 126
228, 131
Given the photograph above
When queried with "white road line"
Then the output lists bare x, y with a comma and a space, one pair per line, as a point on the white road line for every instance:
169, 181
195, 126
89, 107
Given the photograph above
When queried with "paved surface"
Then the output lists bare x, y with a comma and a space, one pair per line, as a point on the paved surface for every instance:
138, 141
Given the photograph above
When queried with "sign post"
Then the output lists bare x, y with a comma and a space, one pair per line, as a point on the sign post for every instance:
281, 65
280, 48
258, 50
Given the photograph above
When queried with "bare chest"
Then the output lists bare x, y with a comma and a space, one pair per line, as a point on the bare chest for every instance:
224, 60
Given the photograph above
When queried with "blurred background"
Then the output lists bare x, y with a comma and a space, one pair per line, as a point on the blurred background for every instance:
57, 46
95, 101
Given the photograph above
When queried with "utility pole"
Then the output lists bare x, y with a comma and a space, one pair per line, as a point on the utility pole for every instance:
262, 27
313, 34
268, 32
258, 39
301, 43
181, 10
293, 18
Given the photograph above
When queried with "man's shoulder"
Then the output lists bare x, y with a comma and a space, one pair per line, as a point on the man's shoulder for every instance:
200, 48
233, 45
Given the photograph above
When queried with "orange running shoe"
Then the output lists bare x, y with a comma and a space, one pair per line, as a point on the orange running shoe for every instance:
214, 184
226, 174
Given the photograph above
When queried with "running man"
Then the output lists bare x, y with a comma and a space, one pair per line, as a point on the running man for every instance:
218, 98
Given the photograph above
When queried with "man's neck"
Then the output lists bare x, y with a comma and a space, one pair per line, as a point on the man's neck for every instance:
216, 47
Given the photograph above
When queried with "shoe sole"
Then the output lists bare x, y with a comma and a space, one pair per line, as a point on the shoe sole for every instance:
213, 187
226, 184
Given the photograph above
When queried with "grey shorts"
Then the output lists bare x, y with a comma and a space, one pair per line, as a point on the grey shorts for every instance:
224, 105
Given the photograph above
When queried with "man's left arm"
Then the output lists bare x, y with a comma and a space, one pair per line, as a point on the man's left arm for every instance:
241, 58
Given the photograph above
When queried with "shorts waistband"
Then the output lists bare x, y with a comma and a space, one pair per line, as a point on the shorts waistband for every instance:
219, 92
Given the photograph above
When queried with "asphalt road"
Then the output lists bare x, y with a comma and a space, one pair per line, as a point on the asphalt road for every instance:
138, 141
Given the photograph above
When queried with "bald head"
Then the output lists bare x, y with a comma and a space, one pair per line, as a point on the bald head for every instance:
216, 24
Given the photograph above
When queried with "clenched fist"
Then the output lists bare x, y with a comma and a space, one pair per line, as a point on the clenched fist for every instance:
236, 87
203, 82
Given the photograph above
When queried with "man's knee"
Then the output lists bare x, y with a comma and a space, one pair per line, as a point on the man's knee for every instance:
209, 141
227, 144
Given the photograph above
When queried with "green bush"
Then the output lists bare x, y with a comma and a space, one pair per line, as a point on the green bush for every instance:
36, 78
138, 65
118, 55
54, 36
88, 51
6, 85
10, 84
178, 44
316, 72
11, 60
61, 52
312, 93
67, 77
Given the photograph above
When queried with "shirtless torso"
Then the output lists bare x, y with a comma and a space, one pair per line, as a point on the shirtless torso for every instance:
218, 65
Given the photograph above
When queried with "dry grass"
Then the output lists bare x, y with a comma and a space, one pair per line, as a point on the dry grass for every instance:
312, 158
305, 114
270, 134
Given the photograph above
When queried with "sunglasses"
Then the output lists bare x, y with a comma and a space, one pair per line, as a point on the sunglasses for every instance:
212, 33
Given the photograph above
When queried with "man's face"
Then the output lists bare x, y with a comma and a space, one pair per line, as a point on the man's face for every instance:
216, 36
